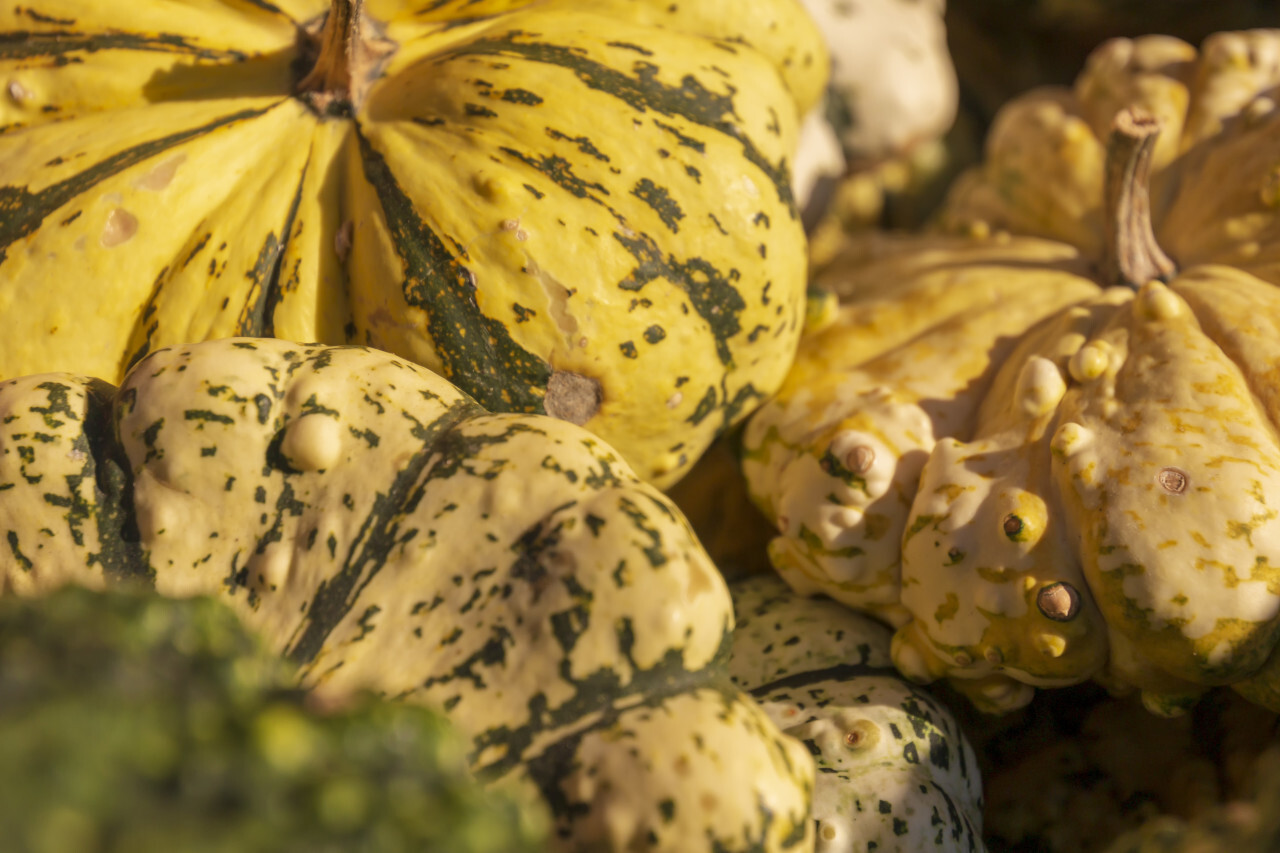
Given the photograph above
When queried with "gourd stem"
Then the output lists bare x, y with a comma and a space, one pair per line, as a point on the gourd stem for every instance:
1131, 255
339, 42
348, 51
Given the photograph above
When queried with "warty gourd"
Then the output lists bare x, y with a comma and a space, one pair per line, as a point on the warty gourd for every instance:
895, 772
1043, 445
382, 531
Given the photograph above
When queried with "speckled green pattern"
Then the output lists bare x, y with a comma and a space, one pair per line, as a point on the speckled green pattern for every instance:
384, 532
133, 723
895, 773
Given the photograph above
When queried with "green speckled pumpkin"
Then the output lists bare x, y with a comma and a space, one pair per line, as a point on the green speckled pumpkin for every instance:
895, 772
1044, 446
582, 209
384, 532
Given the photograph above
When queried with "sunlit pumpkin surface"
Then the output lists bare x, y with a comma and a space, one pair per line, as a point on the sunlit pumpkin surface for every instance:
582, 209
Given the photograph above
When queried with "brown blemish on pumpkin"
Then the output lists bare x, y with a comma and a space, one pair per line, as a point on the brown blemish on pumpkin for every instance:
1173, 480
342, 240
120, 227
572, 397
1059, 602
860, 459
862, 734
162, 175
17, 92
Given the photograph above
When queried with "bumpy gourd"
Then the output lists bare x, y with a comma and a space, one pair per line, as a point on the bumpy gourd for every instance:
1051, 457
384, 532
582, 209
895, 772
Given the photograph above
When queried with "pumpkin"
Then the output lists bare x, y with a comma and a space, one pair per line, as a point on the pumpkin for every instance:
1043, 446
892, 88
577, 209
136, 722
382, 531
895, 772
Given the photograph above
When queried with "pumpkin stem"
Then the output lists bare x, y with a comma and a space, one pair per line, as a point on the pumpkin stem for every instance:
1131, 255
346, 58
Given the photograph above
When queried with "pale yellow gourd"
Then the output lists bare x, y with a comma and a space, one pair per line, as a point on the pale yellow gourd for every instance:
1044, 445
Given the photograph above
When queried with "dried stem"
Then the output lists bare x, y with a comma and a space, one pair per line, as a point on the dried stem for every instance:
347, 59
1131, 255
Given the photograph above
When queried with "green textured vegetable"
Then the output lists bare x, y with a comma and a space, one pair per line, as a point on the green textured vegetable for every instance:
131, 722
384, 532
895, 772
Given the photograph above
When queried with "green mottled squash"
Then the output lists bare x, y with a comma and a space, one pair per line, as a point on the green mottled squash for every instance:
1044, 445
133, 723
582, 209
895, 772
384, 532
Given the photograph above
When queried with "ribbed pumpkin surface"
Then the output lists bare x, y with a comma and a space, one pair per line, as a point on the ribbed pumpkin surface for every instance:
577, 208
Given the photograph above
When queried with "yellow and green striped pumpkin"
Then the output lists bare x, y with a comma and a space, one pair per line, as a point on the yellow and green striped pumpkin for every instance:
575, 208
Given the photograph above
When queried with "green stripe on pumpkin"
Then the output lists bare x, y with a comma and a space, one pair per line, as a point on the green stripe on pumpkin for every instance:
54, 45
22, 211
477, 352
380, 530
257, 317
642, 93
120, 551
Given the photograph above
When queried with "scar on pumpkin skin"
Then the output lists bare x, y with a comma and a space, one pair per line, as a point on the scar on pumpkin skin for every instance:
572, 397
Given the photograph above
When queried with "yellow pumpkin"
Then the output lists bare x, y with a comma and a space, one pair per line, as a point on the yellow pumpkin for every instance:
582, 209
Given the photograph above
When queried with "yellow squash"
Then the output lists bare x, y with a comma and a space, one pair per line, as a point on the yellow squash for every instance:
581, 209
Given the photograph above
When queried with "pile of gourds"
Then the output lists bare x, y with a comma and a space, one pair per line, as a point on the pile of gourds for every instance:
387, 322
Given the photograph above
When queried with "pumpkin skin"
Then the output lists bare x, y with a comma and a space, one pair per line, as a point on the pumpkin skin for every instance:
381, 530
561, 207
895, 771
1070, 473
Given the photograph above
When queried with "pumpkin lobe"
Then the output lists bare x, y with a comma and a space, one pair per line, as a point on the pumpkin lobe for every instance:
1131, 255
345, 52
